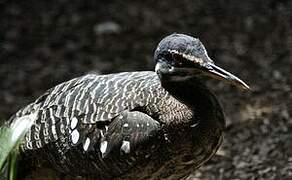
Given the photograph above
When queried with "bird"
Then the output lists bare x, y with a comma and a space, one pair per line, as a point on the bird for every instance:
132, 125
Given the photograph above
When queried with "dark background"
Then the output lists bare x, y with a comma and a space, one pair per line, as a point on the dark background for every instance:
44, 43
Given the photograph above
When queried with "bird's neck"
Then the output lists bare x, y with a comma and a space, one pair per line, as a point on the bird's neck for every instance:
199, 98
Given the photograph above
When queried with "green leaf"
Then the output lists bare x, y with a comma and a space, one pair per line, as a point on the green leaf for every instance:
10, 137
13, 164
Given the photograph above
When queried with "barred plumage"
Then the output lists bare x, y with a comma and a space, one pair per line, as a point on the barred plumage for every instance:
68, 113
131, 125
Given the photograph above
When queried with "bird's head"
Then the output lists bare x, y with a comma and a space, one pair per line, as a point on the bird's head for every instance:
179, 56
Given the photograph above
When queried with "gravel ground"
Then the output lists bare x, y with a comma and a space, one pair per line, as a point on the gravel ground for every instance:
43, 43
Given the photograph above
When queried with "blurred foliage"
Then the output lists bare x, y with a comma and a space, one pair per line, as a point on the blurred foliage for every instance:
10, 137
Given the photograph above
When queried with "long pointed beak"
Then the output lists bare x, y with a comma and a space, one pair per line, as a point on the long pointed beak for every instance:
219, 73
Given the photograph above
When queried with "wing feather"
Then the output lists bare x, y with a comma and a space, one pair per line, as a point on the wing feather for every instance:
92, 99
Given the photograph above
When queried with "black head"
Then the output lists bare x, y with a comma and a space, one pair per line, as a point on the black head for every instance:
179, 56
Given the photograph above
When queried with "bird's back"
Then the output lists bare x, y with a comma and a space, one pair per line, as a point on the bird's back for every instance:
83, 122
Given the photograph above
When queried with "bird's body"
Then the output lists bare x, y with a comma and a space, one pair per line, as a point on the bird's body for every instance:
132, 125
84, 125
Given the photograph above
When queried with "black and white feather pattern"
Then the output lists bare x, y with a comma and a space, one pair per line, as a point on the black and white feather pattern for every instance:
132, 125
105, 113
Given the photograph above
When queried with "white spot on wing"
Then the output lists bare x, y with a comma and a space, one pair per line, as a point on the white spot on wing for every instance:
103, 146
126, 125
74, 122
86, 144
125, 146
75, 136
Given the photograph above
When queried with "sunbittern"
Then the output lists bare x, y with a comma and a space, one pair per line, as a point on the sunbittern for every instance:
132, 125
